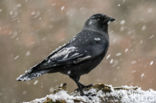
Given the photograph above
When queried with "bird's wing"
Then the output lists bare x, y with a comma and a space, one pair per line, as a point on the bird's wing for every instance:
68, 55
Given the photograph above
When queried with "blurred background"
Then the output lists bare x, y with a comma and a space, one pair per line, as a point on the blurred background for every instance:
31, 29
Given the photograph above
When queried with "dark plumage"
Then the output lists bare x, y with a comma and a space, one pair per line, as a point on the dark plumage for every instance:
80, 55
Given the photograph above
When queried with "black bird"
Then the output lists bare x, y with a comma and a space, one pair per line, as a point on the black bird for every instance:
80, 55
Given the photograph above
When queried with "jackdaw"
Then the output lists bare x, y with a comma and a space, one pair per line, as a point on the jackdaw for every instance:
80, 55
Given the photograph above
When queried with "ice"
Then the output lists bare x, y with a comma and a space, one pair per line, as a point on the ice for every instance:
151, 62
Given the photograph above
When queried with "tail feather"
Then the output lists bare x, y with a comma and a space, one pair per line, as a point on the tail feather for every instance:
29, 75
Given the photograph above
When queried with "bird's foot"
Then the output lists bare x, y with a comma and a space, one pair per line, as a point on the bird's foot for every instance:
84, 87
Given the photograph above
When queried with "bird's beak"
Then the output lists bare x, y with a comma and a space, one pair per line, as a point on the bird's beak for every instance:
111, 19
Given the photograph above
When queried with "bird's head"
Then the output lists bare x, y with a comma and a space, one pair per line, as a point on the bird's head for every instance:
98, 22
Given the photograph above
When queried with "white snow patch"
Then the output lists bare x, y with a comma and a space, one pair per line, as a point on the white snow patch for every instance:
126, 96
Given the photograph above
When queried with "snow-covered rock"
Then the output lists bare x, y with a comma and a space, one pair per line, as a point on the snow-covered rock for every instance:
100, 93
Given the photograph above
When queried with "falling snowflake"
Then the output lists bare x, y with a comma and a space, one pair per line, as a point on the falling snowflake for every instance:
118, 54
62, 8
122, 22
16, 57
36, 81
151, 63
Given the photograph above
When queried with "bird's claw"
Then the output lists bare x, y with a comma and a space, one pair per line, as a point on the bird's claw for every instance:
84, 87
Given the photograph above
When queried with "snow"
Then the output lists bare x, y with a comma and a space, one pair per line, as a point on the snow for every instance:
143, 28
27, 53
11, 12
108, 56
151, 37
1, 10
122, 22
97, 39
111, 61
18, 5
149, 10
133, 62
151, 62
126, 95
126, 50
62, 8
16, 57
36, 81
118, 54
69, 72
142, 75
119, 5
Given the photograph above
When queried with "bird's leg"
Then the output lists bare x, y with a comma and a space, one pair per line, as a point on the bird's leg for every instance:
76, 79
86, 86
80, 88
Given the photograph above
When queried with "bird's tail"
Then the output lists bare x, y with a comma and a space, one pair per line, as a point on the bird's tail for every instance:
30, 74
